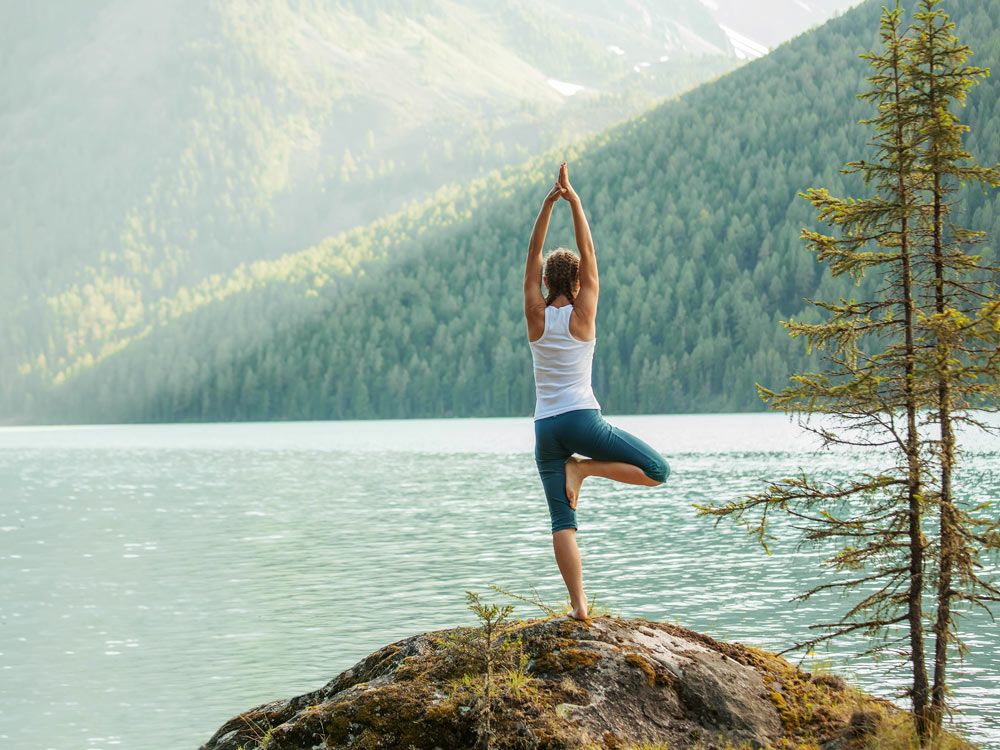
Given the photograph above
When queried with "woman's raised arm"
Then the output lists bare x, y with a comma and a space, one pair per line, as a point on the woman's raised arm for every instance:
534, 302
589, 281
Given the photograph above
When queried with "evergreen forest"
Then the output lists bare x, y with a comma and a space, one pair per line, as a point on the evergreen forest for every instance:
696, 216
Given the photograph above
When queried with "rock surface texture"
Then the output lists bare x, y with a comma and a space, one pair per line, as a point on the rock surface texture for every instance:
561, 683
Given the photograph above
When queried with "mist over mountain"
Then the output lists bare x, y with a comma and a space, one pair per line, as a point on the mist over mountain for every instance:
696, 217
770, 22
150, 145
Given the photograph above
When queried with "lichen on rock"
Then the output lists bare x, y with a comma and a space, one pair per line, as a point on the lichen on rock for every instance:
610, 682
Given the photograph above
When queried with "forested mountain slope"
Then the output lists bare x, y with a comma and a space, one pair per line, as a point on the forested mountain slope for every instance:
148, 145
695, 218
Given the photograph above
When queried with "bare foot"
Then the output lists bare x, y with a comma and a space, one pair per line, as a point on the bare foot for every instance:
579, 613
574, 478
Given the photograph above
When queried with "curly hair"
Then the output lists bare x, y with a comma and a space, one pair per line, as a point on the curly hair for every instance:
561, 268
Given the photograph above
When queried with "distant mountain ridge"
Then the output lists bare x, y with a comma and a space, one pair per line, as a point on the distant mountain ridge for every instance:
150, 145
696, 217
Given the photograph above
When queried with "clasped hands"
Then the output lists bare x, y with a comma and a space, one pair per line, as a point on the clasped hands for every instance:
562, 188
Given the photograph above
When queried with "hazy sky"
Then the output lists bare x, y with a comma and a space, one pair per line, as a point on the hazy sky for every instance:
771, 22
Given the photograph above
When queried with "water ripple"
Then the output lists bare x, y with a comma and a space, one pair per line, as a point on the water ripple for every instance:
170, 577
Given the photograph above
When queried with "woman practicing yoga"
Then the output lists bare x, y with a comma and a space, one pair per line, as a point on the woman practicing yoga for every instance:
562, 334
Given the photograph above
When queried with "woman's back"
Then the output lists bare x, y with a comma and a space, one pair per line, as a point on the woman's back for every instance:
562, 365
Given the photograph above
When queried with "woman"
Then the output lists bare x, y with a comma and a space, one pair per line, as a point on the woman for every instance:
562, 334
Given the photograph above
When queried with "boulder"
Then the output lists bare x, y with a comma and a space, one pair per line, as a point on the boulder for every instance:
560, 683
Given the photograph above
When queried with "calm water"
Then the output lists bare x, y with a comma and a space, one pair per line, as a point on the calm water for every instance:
157, 580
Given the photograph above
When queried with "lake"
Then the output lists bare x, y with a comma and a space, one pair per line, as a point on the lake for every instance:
159, 579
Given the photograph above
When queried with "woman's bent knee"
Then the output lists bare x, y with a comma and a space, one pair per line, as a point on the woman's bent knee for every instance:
659, 470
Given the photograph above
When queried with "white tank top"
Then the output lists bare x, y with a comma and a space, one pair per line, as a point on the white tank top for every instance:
562, 367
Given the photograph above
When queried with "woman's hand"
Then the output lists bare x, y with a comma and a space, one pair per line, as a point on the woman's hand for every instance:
554, 195
563, 182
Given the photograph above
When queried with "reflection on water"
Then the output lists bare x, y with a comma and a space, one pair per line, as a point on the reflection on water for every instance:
157, 580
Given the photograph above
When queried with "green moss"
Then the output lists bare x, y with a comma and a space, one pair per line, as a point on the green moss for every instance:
566, 660
639, 662
568, 691
436, 697
398, 714
812, 711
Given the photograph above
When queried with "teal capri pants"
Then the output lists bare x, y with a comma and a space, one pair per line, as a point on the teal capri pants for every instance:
585, 431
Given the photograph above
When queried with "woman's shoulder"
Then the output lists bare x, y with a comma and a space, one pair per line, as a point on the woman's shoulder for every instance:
586, 327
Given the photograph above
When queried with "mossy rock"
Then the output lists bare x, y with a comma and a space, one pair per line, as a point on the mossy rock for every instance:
609, 683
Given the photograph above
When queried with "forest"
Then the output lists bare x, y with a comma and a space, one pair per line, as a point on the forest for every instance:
150, 146
696, 216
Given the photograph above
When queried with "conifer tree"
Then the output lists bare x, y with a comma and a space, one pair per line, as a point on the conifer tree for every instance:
869, 390
961, 315
904, 366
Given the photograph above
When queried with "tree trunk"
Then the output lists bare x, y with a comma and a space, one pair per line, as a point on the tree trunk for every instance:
942, 624
915, 593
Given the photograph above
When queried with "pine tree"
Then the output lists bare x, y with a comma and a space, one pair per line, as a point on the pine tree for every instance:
961, 315
924, 346
870, 381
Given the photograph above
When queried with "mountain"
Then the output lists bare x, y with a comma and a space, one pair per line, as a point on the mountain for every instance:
150, 145
696, 218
